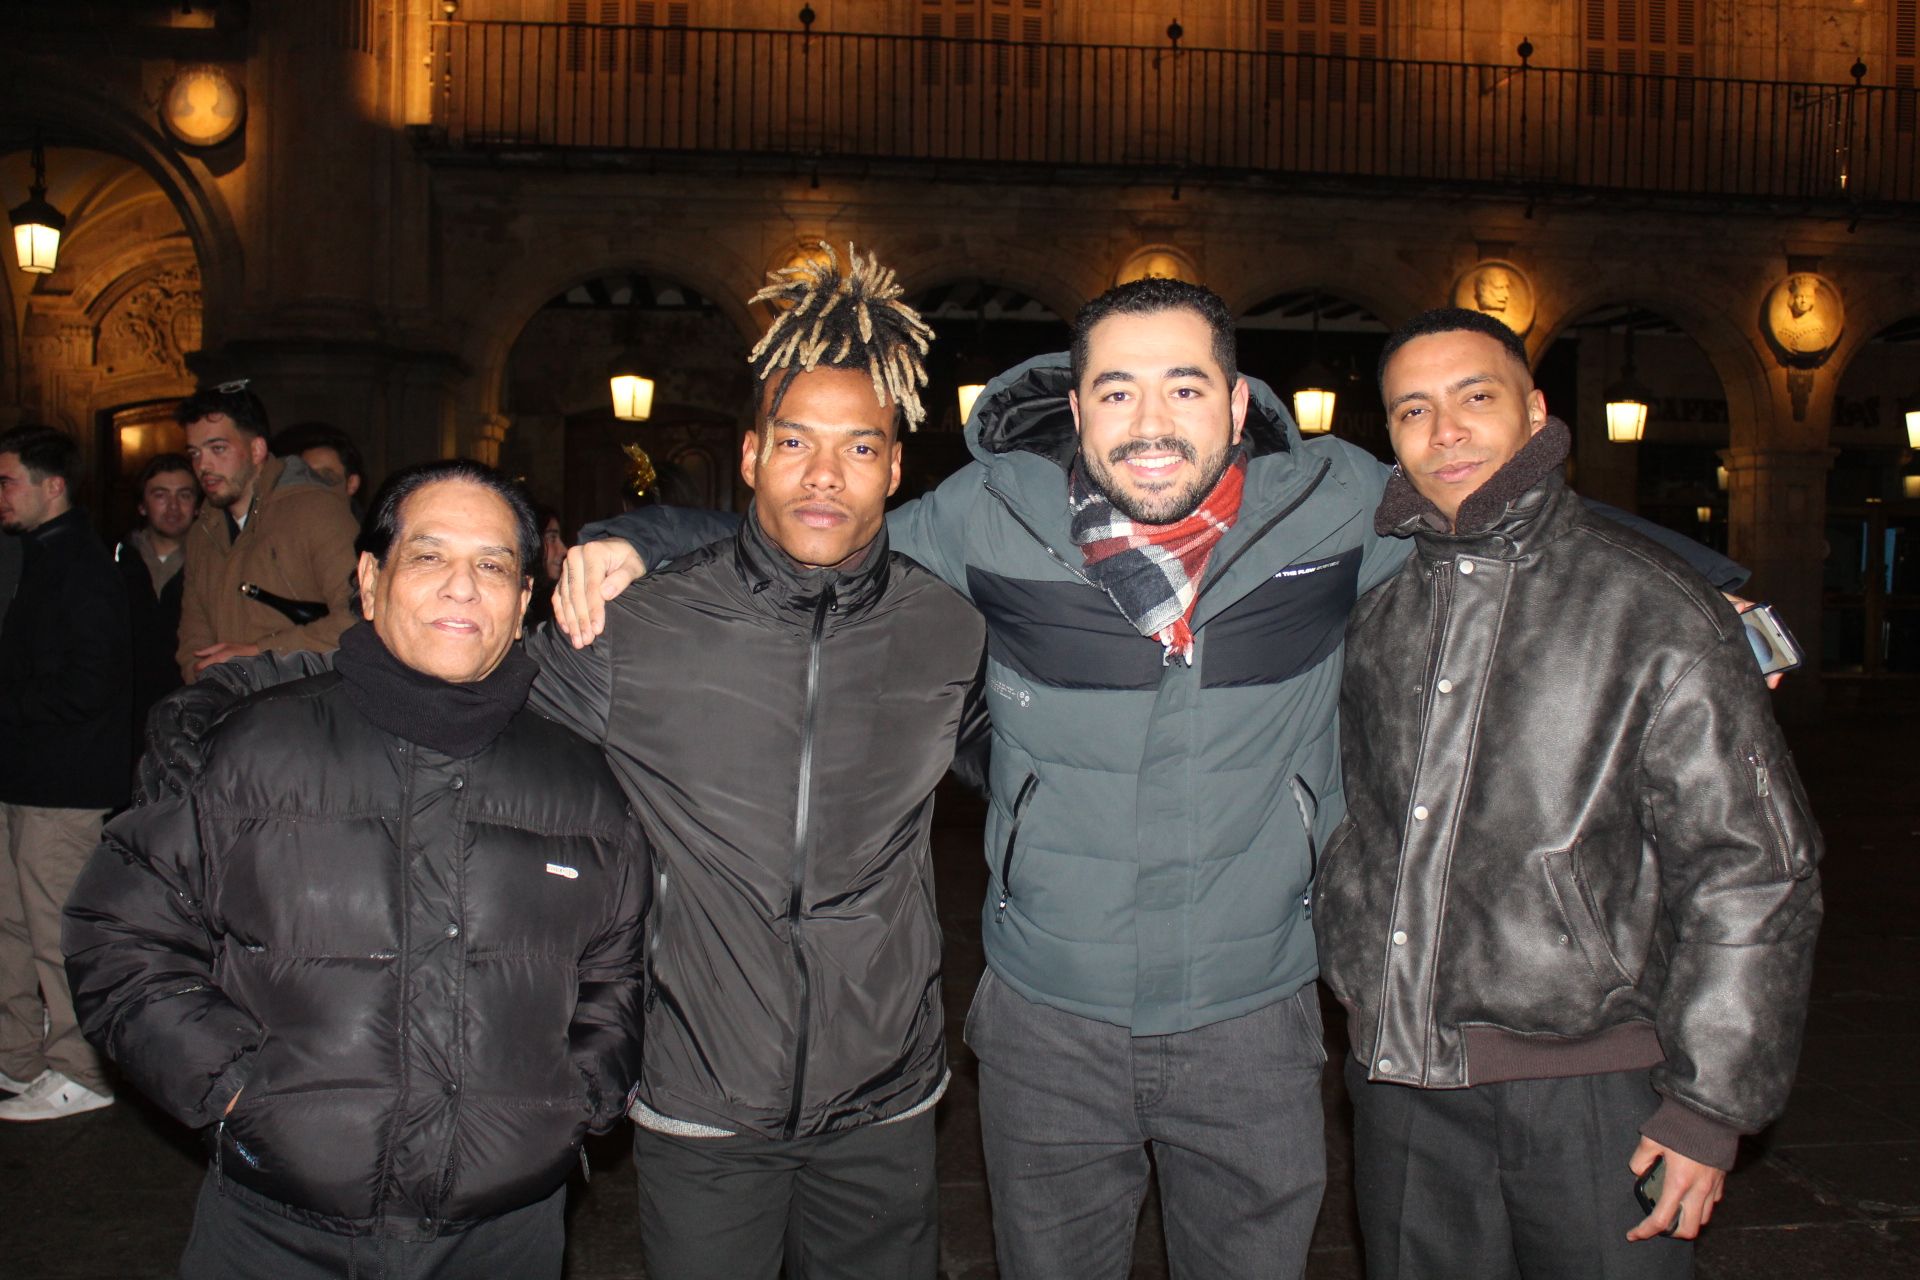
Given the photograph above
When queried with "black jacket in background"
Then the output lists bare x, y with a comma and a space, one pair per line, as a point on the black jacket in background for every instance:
64, 692
154, 619
421, 974
781, 733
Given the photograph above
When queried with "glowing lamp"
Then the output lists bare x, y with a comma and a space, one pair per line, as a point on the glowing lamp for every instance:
968, 394
36, 224
632, 397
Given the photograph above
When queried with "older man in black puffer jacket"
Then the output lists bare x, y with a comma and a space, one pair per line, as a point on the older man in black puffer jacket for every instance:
387, 945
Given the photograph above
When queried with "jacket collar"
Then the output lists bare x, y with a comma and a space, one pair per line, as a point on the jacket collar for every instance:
1522, 506
772, 576
67, 522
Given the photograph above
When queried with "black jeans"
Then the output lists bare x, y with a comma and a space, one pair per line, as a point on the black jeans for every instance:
1521, 1180
1070, 1107
241, 1236
857, 1205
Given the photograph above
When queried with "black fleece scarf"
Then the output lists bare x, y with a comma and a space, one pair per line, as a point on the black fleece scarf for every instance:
458, 720
1539, 457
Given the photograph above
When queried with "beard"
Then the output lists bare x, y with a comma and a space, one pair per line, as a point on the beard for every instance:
1167, 506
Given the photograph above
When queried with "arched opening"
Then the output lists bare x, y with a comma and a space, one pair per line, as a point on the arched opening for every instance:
1291, 337
1674, 474
1870, 624
102, 345
563, 437
980, 329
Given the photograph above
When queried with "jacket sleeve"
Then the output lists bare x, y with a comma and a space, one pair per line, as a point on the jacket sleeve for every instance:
140, 954
1381, 555
661, 533
575, 686
85, 658
933, 529
326, 536
605, 1033
178, 724
1724, 574
1738, 852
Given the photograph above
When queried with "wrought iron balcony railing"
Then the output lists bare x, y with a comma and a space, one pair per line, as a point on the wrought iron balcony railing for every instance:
1181, 113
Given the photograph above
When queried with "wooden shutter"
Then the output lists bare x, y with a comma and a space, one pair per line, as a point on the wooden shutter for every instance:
1904, 29
1655, 38
1350, 32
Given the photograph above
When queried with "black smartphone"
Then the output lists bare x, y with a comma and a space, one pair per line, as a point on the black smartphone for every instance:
1647, 1191
1774, 647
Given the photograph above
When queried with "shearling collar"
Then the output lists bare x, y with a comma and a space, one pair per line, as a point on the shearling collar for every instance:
1403, 511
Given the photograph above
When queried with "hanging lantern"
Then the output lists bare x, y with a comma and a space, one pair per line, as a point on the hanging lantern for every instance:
968, 394
1627, 404
632, 393
1313, 399
1912, 408
36, 224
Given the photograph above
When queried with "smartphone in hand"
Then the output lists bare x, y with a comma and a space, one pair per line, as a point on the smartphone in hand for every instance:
1647, 1191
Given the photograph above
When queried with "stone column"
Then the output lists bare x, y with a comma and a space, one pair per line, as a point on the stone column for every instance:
1776, 526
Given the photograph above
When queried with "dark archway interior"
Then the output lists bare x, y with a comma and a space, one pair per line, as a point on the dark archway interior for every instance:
1278, 341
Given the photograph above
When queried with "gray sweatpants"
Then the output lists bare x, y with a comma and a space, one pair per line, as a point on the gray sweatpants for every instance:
1069, 1108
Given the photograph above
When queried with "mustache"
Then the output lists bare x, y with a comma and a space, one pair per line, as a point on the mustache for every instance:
1169, 444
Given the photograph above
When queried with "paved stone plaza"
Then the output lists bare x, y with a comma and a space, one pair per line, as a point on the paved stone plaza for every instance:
1834, 1190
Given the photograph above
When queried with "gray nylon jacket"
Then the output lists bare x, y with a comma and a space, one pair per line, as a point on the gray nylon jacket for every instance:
1574, 830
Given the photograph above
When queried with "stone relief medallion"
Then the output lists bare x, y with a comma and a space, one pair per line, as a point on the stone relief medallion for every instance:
1497, 289
1804, 318
155, 326
203, 107
1158, 262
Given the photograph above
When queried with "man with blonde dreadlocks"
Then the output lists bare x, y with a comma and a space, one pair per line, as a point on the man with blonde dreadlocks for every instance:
778, 707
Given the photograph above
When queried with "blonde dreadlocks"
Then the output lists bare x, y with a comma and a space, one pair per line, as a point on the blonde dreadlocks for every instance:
841, 320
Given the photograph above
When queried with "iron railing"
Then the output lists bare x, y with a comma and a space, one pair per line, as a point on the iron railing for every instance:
1185, 113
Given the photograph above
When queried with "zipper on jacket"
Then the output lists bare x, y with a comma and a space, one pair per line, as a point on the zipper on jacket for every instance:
1763, 787
1035, 535
802, 820
1013, 833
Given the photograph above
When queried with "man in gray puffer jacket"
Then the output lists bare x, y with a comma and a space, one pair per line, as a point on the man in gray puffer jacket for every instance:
1572, 909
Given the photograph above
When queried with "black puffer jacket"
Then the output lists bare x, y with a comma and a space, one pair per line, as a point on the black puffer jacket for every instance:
781, 733
1575, 839
421, 973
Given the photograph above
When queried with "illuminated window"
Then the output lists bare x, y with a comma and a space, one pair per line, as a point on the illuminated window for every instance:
1641, 37
1015, 22
621, 35
1904, 46
1341, 28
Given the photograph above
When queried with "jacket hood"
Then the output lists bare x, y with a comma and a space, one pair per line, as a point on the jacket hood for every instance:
1026, 408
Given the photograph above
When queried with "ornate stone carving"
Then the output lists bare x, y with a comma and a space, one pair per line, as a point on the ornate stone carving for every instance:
1497, 289
1804, 319
154, 326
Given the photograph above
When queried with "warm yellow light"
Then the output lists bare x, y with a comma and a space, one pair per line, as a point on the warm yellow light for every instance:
968, 394
1910, 486
1705, 514
1313, 410
132, 441
36, 246
632, 397
1626, 421
1720, 478
1913, 427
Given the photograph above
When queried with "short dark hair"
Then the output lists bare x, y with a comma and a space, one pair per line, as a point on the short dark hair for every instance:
1451, 320
161, 463
302, 436
383, 521
235, 399
1151, 296
44, 451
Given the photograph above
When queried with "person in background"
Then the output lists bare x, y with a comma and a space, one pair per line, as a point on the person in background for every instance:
63, 765
553, 554
269, 524
329, 453
150, 558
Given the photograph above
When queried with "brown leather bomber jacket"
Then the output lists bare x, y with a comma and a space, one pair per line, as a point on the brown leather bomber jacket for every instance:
1575, 841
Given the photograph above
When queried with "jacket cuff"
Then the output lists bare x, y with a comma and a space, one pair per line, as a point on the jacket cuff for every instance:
1692, 1134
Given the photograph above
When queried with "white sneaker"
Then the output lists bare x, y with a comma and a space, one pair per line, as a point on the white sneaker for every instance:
11, 1085
53, 1097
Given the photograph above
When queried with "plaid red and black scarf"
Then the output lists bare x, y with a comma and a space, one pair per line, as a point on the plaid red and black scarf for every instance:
1152, 571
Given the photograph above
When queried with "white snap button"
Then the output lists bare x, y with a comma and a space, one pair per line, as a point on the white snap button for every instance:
1386, 1064
1399, 937
1445, 686
1419, 813
1466, 566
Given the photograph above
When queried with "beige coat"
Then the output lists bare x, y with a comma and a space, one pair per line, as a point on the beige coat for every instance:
298, 543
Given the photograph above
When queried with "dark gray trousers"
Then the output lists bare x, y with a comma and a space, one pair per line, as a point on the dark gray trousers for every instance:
1070, 1107
1521, 1180
858, 1205
241, 1236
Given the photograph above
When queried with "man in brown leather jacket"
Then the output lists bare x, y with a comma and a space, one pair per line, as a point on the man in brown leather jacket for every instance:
1572, 910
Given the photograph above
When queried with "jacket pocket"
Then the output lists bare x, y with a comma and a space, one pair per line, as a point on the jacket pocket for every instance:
1021, 800
1578, 910
1783, 808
